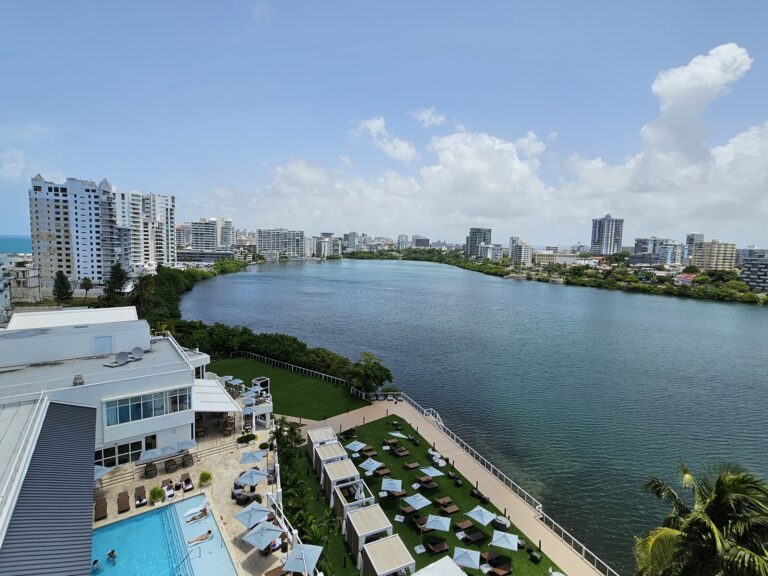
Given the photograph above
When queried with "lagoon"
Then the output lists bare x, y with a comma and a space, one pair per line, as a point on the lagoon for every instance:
576, 393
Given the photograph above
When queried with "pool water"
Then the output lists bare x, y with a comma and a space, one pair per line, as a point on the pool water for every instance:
155, 543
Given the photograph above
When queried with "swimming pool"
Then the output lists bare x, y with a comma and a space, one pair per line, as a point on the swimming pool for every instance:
155, 542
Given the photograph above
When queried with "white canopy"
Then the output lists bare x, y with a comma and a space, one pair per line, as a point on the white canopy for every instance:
210, 396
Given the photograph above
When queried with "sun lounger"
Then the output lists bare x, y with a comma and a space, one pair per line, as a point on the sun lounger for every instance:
424, 479
123, 502
398, 494
168, 488
186, 482
503, 570
463, 525
474, 537
429, 486
450, 509
370, 453
383, 471
100, 510
390, 441
437, 547
187, 460
405, 510
140, 497
170, 465
411, 466
401, 452
150, 471
489, 556
444, 501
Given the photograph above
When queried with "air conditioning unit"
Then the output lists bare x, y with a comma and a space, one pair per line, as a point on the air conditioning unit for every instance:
78, 380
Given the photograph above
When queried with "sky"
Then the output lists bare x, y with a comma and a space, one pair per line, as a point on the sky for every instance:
399, 117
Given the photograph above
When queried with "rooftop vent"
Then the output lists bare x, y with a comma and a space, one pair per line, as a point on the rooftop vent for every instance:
78, 380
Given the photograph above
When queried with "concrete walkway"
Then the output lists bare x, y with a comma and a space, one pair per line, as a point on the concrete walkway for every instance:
502, 497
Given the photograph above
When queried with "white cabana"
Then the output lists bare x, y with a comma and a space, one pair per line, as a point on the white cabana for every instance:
318, 437
337, 472
386, 557
350, 496
327, 453
365, 524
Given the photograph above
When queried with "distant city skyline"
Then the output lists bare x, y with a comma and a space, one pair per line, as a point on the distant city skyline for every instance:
516, 121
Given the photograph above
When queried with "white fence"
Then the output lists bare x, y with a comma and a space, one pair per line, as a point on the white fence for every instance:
291, 367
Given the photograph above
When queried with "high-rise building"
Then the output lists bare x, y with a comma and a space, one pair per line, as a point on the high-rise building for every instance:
714, 255
754, 272
280, 242
672, 253
743, 254
476, 237
158, 229
492, 252
520, 252
606, 235
649, 245
352, 241
402, 242
419, 241
227, 233
203, 234
183, 235
75, 229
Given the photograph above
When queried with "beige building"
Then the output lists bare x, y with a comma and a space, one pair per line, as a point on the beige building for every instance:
714, 255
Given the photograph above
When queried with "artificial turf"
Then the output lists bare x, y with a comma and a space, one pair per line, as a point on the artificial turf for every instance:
292, 393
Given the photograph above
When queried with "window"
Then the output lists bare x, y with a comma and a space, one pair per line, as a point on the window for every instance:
137, 408
120, 454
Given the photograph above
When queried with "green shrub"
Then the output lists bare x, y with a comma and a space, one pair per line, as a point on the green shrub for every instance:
263, 446
245, 438
205, 478
257, 497
156, 494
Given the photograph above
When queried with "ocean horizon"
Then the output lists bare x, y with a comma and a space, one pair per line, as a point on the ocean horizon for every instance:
15, 243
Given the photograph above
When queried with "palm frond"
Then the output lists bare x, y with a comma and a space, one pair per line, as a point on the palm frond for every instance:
740, 561
655, 553
663, 491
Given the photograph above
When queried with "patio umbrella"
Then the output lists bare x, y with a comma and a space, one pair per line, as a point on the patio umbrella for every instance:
355, 446
252, 515
250, 394
504, 540
226, 378
417, 501
467, 558
482, 515
251, 457
391, 485
441, 523
303, 558
99, 471
398, 435
262, 534
252, 477
370, 465
236, 381
432, 471
248, 411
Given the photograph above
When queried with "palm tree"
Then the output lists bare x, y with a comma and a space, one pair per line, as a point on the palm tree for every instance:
87, 285
724, 532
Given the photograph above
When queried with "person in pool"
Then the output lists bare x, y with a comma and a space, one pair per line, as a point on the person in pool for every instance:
95, 567
199, 516
112, 557
201, 538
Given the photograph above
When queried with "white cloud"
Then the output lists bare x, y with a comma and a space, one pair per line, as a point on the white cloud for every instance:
345, 160
674, 183
12, 163
428, 117
392, 146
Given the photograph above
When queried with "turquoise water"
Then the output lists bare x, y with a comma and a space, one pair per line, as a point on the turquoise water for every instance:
155, 542
21, 244
578, 394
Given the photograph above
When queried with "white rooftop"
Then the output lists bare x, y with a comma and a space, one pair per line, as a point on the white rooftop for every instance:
321, 434
71, 317
16, 422
210, 396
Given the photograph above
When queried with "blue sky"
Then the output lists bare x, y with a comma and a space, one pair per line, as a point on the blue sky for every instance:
302, 114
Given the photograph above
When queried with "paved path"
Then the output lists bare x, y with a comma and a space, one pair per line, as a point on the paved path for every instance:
503, 498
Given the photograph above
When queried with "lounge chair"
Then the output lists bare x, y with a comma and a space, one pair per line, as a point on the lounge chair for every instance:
444, 501
123, 502
429, 486
437, 547
150, 470
186, 482
168, 488
390, 442
170, 465
424, 479
370, 452
450, 509
187, 460
401, 452
411, 466
463, 525
503, 570
420, 522
474, 537
489, 556
383, 471
140, 497
398, 494
405, 509
100, 509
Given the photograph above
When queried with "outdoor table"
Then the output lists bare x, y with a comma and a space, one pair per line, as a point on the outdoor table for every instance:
383, 494
501, 523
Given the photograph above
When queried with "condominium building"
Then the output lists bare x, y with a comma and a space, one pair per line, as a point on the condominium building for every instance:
550, 257
352, 241
159, 229
672, 253
286, 243
203, 234
754, 272
419, 241
649, 245
693, 238
227, 239
714, 255
743, 254
607, 235
402, 242
492, 252
520, 252
476, 237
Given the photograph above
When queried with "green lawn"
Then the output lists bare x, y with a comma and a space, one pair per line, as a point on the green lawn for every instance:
292, 393
374, 433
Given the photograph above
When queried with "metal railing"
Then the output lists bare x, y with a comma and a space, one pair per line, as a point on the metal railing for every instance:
434, 418
292, 367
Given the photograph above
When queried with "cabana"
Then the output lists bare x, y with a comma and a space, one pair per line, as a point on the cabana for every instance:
350, 496
337, 472
386, 557
327, 453
318, 437
364, 525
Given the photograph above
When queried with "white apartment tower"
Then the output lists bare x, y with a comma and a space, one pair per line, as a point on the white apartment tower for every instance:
280, 241
607, 235
159, 229
227, 239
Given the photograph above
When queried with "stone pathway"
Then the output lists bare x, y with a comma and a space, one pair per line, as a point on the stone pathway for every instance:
521, 513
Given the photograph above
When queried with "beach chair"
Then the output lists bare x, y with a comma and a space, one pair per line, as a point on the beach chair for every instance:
429, 486
424, 479
463, 525
140, 497
489, 557
450, 509
406, 510
123, 502
186, 482
411, 466
474, 537
383, 471
187, 460
419, 523
503, 570
150, 471
401, 452
437, 547
100, 510
444, 501
170, 465
398, 494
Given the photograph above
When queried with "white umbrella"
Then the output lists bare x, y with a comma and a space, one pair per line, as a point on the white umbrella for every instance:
99, 471
441, 523
398, 435
504, 540
251, 457
251, 477
417, 501
303, 558
432, 471
370, 465
262, 534
252, 515
391, 485
482, 515
355, 446
467, 558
